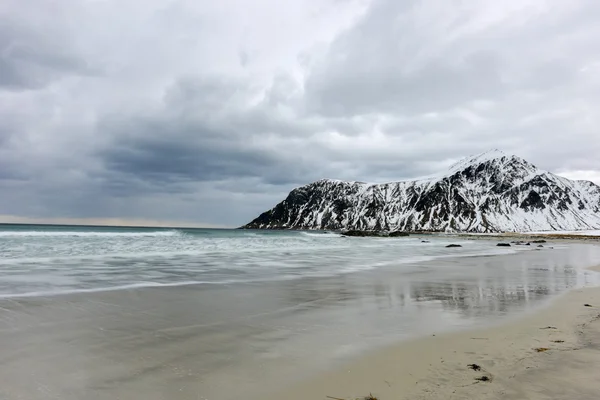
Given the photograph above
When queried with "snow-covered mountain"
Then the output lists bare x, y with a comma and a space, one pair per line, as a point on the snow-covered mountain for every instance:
491, 192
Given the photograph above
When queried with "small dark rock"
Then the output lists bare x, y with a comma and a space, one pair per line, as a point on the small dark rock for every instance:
587, 305
474, 367
503, 245
483, 379
424, 241
538, 241
453, 245
540, 245
527, 244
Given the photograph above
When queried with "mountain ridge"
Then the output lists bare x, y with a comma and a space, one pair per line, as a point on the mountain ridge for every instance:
488, 192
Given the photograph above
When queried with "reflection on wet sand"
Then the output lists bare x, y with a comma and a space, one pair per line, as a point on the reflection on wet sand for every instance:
194, 341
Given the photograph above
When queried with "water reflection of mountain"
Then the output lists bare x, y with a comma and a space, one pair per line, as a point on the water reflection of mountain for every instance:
468, 287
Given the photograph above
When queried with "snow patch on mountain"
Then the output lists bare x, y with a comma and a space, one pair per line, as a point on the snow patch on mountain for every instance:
489, 192
577, 233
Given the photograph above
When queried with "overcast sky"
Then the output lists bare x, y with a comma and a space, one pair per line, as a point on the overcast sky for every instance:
209, 112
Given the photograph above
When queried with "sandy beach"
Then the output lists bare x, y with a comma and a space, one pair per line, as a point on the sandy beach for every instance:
344, 335
552, 354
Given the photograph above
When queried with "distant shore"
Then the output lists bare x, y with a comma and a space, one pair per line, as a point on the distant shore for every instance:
529, 236
547, 355
400, 233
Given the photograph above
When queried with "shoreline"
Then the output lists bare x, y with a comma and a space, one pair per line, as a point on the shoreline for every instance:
547, 355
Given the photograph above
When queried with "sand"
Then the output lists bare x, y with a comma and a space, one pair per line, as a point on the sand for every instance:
222, 343
436, 367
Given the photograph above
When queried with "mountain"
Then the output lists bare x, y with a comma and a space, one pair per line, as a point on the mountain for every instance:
490, 192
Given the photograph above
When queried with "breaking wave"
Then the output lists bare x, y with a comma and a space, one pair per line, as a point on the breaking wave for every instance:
8, 234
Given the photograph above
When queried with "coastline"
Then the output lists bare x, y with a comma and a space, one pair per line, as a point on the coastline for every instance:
547, 355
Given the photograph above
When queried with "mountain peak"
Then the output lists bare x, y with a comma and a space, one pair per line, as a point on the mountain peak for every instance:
499, 157
489, 155
488, 192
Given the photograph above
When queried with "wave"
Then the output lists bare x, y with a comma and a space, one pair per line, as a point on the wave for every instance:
138, 285
321, 235
289, 273
8, 234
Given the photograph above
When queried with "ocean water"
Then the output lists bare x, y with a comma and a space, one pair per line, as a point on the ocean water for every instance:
46, 260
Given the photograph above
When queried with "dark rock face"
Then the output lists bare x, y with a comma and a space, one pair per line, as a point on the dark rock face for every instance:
398, 234
357, 233
492, 192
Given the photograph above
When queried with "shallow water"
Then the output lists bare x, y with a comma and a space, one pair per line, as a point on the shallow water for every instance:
41, 260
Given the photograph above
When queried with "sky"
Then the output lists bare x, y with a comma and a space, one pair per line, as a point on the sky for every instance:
206, 113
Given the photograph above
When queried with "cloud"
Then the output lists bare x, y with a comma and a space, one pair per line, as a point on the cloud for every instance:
204, 112
32, 57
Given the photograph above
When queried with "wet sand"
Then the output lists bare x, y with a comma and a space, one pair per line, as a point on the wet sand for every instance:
297, 339
552, 354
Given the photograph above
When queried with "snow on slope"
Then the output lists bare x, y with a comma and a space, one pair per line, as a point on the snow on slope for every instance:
490, 192
577, 233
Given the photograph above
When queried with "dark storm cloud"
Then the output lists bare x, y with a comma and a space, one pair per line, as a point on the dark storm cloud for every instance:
156, 155
207, 112
195, 137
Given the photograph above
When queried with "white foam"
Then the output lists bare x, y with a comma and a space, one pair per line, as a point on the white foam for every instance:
138, 285
321, 235
8, 234
584, 233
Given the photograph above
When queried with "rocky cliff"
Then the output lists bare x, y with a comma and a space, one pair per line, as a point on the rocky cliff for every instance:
491, 192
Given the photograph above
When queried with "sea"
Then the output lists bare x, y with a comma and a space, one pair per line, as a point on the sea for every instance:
57, 259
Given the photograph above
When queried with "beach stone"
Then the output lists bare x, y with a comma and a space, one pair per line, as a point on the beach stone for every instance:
453, 245
503, 245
